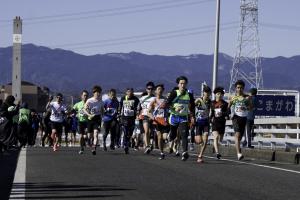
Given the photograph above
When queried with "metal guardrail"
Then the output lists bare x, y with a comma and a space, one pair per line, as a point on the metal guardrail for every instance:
283, 132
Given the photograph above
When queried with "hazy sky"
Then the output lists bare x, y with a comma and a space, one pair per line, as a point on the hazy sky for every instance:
165, 27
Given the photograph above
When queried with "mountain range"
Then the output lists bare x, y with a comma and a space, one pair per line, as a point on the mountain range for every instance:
69, 72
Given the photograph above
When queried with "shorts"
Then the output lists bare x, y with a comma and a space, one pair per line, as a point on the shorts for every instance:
94, 124
219, 126
175, 120
162, 129
239, 124
57, 126
82, 126
202, 127
146, 119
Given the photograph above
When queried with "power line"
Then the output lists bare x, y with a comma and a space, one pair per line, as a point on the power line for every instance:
113, 9
155, 37
281, 26
142, 36
111, 12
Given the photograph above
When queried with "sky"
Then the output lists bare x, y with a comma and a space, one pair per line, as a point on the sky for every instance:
161, 27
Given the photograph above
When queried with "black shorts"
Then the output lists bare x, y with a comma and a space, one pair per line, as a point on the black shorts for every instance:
162, 129
146, 119
202, 127
219, 126
57, 126
94, 124
239, 124
82, 126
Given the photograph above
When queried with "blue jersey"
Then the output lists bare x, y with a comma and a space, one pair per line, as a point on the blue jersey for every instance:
110, 109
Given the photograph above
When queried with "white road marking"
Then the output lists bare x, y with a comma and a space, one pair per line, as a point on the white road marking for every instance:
18, 187
253, 164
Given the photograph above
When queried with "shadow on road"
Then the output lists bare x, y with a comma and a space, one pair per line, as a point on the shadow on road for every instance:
8, 164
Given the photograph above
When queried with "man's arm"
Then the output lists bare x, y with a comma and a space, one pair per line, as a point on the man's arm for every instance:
49, 102
170, 99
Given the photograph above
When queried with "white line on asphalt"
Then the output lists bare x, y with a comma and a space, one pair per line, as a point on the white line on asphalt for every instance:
18, 187
253, 164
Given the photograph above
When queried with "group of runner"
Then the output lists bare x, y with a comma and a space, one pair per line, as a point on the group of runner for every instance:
166, 120
163, 120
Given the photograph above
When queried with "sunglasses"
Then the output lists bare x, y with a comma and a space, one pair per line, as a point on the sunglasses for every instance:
149, 88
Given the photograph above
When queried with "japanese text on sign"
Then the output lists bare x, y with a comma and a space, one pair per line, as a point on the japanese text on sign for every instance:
269, 105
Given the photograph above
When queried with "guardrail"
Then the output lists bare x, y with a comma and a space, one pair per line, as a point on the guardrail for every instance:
283, 132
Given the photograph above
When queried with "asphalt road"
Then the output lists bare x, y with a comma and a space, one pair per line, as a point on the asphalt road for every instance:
114, 175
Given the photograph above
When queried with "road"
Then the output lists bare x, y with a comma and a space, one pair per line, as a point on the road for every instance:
43, 174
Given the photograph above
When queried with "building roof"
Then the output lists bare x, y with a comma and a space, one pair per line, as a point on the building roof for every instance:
24, 83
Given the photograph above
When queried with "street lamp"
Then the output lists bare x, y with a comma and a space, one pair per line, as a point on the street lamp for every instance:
216, 54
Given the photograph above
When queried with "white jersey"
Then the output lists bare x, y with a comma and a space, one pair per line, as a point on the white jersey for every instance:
144, 103
57, 112
159, 111
95, 106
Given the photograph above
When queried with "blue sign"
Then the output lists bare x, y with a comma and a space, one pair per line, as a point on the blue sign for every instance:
270, 105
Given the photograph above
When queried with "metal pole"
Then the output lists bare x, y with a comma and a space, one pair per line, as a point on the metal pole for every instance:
216, 56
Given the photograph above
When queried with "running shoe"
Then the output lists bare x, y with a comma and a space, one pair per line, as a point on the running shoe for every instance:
162, 156
80, 152
126, 149
240, 156
94, 152
218, 156
200, 159
147, 150
185, 156
55, 148
177, 153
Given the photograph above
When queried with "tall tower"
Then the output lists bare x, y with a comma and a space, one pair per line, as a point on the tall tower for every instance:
16, 68
247, 62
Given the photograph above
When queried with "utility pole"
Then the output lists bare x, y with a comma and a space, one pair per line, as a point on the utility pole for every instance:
16, 68
247, 62
216, 54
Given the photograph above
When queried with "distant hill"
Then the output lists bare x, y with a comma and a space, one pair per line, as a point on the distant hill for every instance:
66, 71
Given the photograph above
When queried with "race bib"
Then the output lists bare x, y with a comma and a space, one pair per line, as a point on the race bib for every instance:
218, 112
128, 112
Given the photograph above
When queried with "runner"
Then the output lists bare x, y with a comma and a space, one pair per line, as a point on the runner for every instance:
94, 109
202, 106
219, 114
8, 111
159, 115
250, 119
46, 124
143, 115
71, 125
82, 119
128, 112
111, 106
182, 107
24, 125
137, 136
58, 111
35, 125
240, 105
